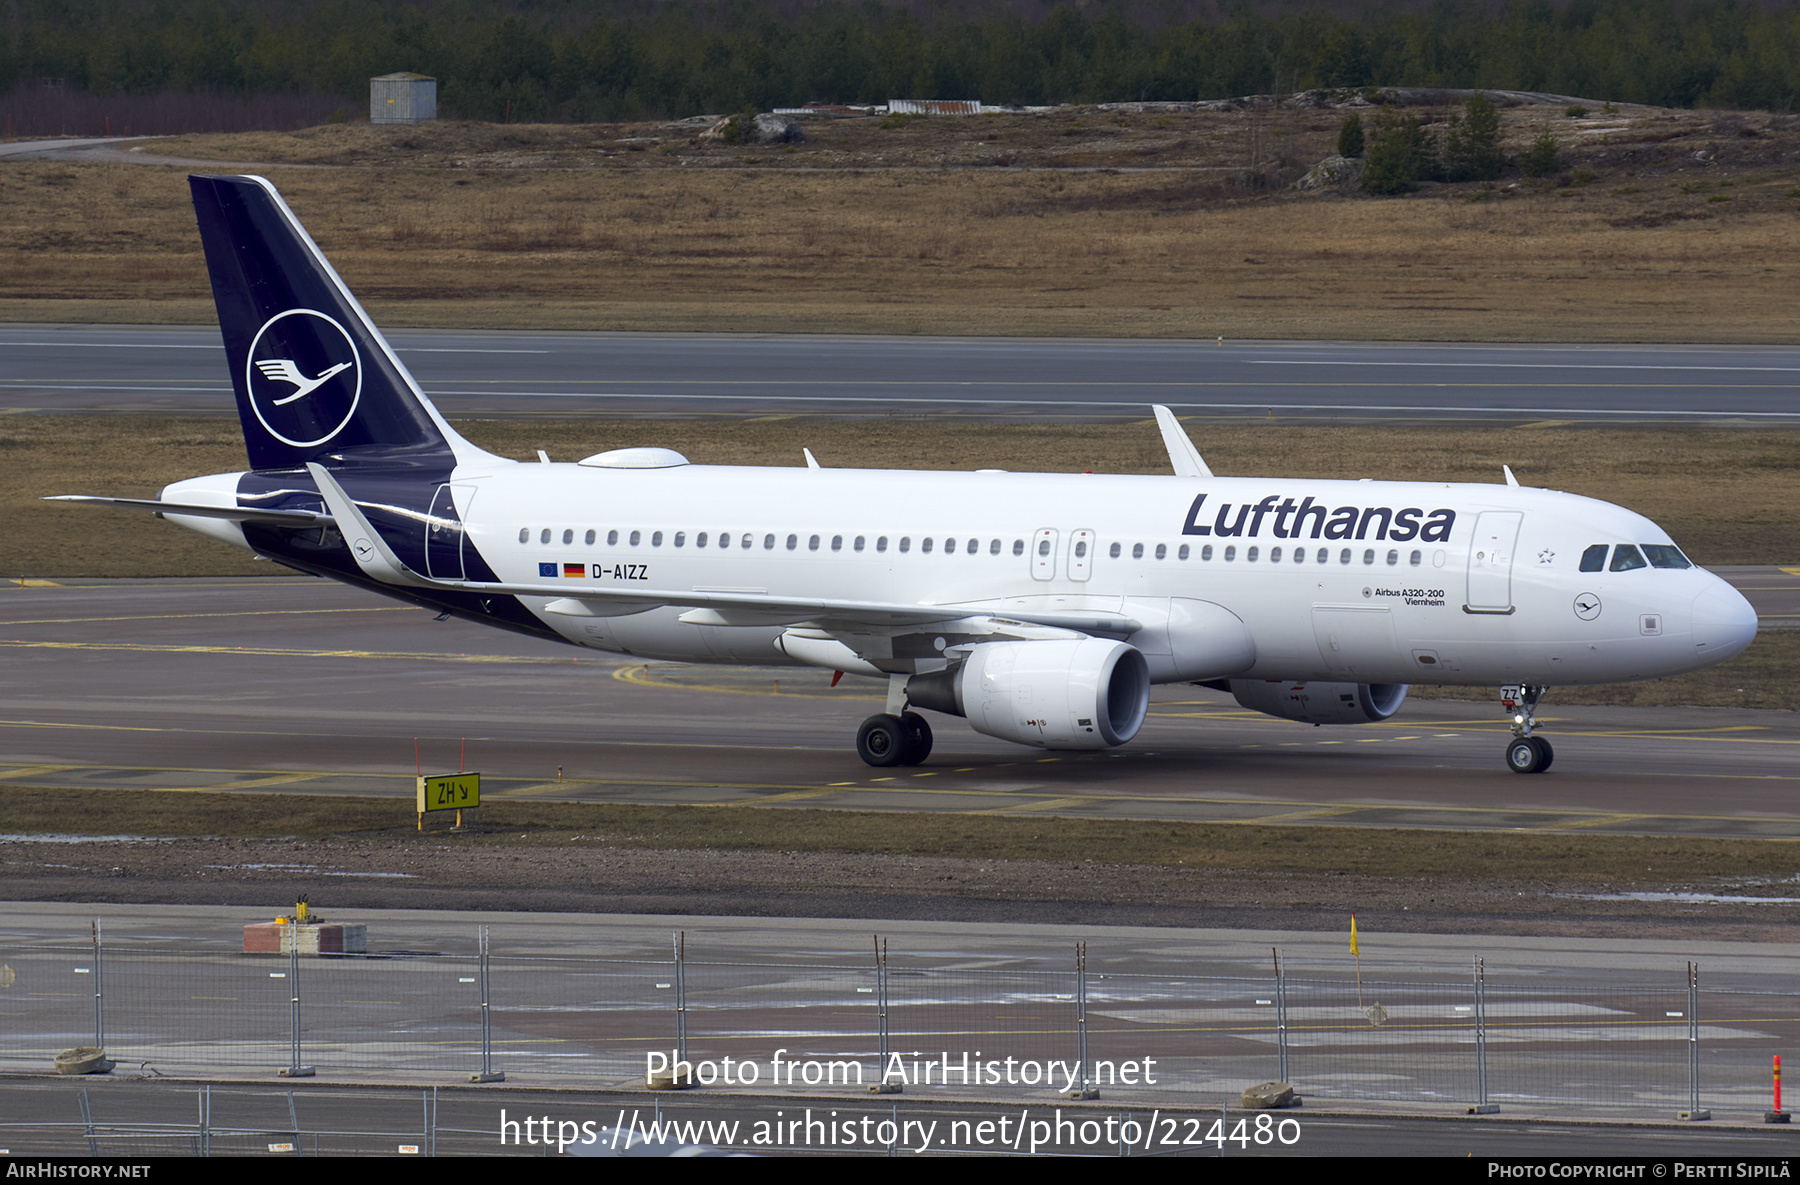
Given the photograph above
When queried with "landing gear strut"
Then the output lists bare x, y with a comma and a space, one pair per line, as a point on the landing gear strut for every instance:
1525, 754
889, 740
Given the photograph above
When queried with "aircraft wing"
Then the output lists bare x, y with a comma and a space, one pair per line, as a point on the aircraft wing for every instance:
239, 514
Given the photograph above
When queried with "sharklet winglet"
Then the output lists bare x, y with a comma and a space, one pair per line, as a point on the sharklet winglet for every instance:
1182, 454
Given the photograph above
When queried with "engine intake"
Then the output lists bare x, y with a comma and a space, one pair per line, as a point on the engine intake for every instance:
1083, 693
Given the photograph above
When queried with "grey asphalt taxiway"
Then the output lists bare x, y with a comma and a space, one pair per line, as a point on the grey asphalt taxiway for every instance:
164, 370
292, 685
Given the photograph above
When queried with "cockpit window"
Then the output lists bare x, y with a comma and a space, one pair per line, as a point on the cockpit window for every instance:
1666, 555
1627, 558
1594, 558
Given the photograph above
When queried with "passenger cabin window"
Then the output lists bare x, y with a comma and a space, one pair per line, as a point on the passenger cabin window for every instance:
1627, 558
1113, 552
1018, 547
590, 537
612, 538
1594, 558
524, 534
635, 536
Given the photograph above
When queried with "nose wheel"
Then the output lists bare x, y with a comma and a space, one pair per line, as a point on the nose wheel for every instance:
1529, 755
887, 740
1525, 754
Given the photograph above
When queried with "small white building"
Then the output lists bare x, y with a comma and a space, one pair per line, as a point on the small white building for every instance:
402, 98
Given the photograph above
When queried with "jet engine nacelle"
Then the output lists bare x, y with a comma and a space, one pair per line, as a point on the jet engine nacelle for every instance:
1321, 703
1079, 693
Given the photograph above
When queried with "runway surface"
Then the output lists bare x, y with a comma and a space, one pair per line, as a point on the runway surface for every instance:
63, 368
303, 686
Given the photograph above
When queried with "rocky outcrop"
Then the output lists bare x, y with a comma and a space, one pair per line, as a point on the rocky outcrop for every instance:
1334, 172
762, 128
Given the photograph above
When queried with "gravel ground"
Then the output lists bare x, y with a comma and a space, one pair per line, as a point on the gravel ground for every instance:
349, 873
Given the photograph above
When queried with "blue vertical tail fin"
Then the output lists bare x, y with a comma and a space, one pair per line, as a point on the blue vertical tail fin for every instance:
315, 380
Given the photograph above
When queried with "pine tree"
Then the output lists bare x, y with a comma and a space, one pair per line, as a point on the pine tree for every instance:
1350, 136
1399, 155
1472, 147
1543, 157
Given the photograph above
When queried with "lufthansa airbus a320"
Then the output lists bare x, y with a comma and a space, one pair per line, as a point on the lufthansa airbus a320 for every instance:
1039, 607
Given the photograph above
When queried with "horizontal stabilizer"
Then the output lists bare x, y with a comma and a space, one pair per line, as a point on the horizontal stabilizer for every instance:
236, 514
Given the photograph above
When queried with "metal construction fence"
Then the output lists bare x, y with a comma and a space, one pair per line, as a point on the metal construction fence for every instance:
1650, 1045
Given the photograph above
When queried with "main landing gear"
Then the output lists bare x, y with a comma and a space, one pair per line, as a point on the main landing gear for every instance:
1525, 754
889, 740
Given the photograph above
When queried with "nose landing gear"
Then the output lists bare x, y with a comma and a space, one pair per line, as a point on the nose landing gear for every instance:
1525, 754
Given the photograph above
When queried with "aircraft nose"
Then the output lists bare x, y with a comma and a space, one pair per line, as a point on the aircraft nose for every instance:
1724, 623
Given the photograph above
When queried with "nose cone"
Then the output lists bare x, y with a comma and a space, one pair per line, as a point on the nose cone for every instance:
1724, 623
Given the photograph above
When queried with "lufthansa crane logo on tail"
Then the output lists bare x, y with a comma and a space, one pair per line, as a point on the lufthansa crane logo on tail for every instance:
304, 377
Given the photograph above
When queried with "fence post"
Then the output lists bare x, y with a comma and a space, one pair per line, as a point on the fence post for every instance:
881, 1084
294, 1068
681, 996
1281, 1032
487, 1073
1693, 1018
99, 992
1086, 1090
1482, 1106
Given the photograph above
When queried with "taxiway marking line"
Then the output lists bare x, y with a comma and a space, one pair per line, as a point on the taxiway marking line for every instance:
255, 613
1314, 813
270, 780
1607, 820
1041, 799
32, 771
279, 652
641, 676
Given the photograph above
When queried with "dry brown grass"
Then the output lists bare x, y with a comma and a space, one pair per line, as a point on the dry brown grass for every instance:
917, 230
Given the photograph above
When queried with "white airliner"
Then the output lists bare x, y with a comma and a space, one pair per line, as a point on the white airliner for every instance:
1040, 607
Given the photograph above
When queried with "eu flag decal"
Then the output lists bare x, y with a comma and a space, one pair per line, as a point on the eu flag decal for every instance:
546, 569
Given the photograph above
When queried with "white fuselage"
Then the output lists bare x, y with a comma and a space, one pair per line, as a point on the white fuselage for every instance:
1491, 598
